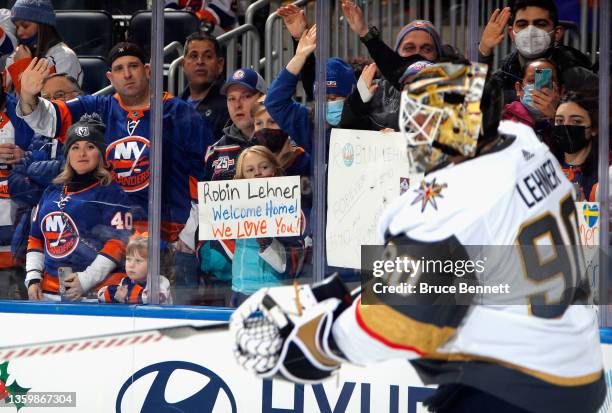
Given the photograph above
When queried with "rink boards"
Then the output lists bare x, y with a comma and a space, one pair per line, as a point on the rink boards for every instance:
162, 360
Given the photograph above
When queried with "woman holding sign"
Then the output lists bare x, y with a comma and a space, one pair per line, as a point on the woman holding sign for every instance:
262, 262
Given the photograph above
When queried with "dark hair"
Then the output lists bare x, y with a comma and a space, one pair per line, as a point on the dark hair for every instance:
48, 36
587, 101
516, 5
201, 36
543, 59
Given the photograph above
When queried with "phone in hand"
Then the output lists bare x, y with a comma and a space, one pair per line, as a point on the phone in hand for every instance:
62, 274
543, 78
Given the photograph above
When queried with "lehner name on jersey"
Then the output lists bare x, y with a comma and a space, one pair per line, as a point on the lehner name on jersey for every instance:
538, 183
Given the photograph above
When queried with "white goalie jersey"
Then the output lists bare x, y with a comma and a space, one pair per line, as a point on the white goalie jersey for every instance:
534, 340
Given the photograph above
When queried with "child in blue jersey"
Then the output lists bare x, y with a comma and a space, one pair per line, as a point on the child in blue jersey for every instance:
262, 262
133, 288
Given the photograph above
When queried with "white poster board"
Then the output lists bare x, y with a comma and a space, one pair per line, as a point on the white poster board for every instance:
367, 170
250, 208
588, 228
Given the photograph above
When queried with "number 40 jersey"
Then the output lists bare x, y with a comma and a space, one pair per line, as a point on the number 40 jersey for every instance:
531, 343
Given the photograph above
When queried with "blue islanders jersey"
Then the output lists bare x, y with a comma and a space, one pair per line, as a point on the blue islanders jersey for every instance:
72, 228
137, 292
186, 138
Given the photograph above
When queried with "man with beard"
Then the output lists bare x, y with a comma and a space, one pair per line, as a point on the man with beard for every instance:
533, 26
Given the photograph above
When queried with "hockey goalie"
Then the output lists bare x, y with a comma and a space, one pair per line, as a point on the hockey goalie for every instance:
491, 191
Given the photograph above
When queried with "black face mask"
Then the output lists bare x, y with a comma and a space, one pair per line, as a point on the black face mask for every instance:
570, 138
273, 139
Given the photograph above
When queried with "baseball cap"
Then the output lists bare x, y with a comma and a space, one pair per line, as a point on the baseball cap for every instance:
247, 78
125, 49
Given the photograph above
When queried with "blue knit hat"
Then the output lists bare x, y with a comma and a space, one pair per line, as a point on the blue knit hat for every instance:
424, 25
340, 77
37, 11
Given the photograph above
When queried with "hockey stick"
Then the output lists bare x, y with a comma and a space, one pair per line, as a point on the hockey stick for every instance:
57, 241
128, 173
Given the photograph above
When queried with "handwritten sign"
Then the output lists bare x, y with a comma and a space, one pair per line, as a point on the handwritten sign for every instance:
250, 208
367, 170
588, 228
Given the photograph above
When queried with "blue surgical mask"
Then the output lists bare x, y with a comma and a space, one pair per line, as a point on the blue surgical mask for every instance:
527, 100
30, 41
333, 111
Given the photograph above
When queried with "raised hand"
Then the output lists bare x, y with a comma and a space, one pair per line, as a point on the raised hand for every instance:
307, 45
308, 42
32, 79
294, 19
367, 75
354, 17
494, 31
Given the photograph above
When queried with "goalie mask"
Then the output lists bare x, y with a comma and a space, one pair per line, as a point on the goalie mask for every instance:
440, 113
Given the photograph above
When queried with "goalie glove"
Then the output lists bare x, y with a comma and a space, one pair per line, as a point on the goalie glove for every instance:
286, 331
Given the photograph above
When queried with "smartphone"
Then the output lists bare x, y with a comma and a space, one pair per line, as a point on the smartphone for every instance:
62, 274
543, 79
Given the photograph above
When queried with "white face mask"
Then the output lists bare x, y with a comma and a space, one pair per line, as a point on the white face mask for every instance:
532, 42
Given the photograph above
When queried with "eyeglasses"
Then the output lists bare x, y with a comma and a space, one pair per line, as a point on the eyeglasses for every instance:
59, 95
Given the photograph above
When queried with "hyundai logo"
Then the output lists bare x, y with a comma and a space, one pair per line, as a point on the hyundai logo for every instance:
204, 401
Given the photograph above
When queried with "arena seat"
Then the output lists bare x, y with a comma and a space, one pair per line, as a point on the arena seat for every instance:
178, 24
77, 4
94, 73
86, 32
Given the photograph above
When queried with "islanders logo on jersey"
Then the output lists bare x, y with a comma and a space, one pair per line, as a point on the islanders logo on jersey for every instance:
61, 234
129, 158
